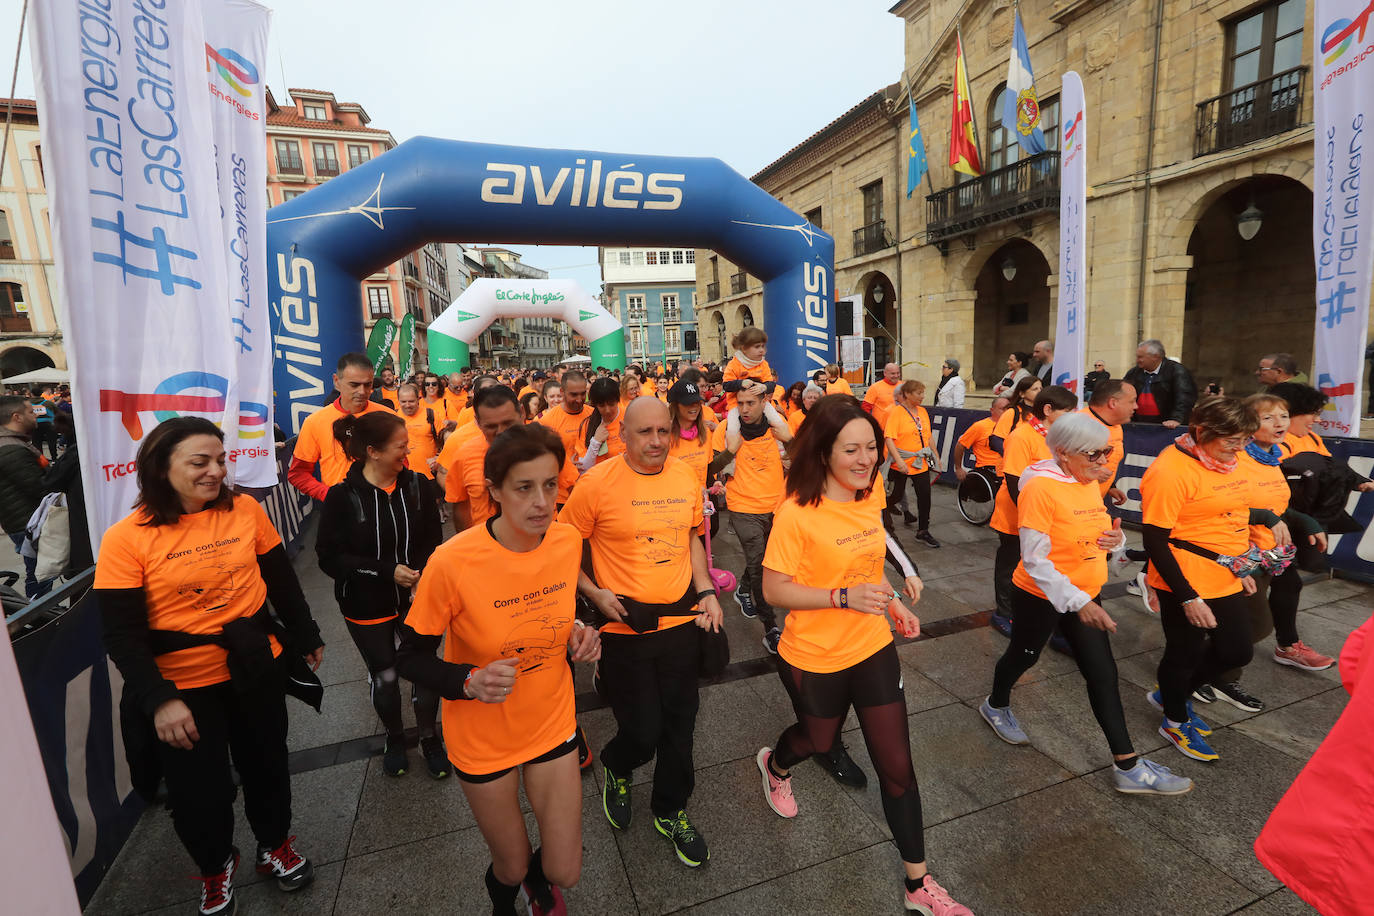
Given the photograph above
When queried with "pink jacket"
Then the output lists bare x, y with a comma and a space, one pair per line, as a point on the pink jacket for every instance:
1320, 839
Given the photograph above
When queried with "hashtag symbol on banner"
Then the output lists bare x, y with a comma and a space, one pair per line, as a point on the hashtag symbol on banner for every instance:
158, 244
1336, 309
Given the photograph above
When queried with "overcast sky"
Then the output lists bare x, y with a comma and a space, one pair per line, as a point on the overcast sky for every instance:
742, 80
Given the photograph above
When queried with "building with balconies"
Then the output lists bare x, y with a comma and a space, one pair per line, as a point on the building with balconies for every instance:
652, 292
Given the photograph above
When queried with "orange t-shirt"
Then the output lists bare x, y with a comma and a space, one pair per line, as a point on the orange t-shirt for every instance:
1073, 515
795, 419
696, 454
640, 528
449, 453
830, 545
1203, 507
1023, 448
1117, 440
421, 435
467, 480
465, 416
839, 386
911, 432
490, 617
1268, 490
975, 440
316, 441
197, 575
1002, 428
737, 371
882, 395
614, 445
455, 402
1296, 445
440, 407
567, 426
757, 487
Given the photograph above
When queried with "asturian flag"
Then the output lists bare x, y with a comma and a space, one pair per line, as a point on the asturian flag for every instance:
1020, 102
916, 165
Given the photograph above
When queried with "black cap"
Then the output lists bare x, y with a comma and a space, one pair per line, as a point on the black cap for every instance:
684, 393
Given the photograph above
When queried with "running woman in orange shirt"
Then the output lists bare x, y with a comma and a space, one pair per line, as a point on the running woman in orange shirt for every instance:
825, 565
507, 688
377, 531
189, 562
1066, 536
910, 449
316, 443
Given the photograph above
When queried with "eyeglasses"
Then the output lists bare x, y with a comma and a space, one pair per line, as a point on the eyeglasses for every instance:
1096, 455
1236, 441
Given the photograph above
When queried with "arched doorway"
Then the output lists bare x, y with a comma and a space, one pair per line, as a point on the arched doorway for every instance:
18, 360
1012, 308
722, 339
880, 319
1246, 298
746, 317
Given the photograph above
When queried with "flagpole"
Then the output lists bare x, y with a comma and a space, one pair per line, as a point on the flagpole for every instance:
972, 115
911, 98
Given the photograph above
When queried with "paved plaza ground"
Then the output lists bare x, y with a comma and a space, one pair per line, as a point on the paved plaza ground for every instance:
1009, 830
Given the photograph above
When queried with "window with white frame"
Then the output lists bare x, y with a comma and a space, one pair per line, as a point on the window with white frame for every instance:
691, 256
678, 255
624, 258
671, 312
634, 308
358, 154
672, 340
636, 341
637, 258
663, 257
651, 257
314, 112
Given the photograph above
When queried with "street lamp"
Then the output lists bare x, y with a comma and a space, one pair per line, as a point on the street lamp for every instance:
878, 293
1249, 220
1008, 269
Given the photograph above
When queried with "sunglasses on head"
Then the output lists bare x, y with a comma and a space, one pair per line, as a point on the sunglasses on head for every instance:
1099, 454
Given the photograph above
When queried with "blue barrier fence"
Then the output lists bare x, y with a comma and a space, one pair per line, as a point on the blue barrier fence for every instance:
1351, 554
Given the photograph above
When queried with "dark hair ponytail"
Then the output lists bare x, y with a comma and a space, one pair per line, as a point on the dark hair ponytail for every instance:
358, 433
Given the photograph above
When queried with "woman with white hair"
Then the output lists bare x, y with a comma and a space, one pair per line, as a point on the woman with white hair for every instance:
950, 391
1066, 536
810, 395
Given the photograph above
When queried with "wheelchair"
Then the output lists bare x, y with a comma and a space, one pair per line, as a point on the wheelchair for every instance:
976, 495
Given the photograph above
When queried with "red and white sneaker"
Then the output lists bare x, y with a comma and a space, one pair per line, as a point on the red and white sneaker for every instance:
292, 870
217, 890
777, 792
930, 899
548, 903
1299, 655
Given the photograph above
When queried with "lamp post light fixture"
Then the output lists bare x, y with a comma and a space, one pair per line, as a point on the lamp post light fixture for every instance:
1008, 269
878, 293
1249, 220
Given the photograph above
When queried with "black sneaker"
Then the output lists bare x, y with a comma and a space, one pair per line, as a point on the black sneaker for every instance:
292, 870
217, 890
690, 845
394, 759
436, 758
842, 767
1234, 694
1205, 694
771, 640
1000, 624
908, 519
746, 603
926, 538
615, 799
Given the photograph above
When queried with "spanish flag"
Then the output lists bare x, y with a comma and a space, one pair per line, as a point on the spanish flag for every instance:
963, 139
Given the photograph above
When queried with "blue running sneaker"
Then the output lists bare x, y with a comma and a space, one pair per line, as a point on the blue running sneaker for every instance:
1149, 778
746, 603
1003, 723
1000, 624
1188, 741
1201, 727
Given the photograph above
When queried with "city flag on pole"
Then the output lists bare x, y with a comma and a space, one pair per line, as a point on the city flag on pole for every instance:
963, 142
916, 165
1020, 102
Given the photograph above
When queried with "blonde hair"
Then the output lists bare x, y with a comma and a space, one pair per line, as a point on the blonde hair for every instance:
625, 383
1265, 401
911, 386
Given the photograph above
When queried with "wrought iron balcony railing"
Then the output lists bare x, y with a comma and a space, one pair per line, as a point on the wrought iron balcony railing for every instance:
738, 282
871, 238
1021, 188
712, 291
1249, 113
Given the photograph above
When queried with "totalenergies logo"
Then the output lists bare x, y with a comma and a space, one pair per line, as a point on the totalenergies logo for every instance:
1339, 35
183, 393
1071, 134
234, 69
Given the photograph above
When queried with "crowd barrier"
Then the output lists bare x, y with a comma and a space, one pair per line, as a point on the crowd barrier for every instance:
1351, 554
73, 694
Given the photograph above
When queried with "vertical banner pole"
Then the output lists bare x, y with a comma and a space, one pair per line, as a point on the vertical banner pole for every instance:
1070, 330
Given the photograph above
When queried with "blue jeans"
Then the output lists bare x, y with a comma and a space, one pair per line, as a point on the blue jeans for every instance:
32, 587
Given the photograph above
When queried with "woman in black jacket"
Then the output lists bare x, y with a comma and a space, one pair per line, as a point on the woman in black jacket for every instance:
377, 531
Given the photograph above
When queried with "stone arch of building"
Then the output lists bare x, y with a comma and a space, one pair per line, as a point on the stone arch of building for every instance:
25, 356
1009, 315
1179, 217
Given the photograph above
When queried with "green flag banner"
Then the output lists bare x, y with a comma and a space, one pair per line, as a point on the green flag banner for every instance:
379, 341
407, 346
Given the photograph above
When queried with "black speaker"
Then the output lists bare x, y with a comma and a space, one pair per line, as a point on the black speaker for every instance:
844, 317
689, 340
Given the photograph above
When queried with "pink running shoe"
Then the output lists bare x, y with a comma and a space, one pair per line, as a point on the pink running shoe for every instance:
1299, 655
930, 899
777, 792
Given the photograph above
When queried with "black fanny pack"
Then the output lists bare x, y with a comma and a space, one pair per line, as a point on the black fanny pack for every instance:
643, 618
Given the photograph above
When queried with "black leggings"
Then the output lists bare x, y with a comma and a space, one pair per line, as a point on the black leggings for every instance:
377, 645
1194, 656
920, 485
874, 687
1285, 590
1008, 555
1035, 619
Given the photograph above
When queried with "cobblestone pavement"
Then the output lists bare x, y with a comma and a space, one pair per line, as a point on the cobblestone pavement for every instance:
1009, 830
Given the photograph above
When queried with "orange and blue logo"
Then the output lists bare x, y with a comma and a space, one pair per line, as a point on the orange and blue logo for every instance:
1339, 35
234, 69
1071, 132
193, 393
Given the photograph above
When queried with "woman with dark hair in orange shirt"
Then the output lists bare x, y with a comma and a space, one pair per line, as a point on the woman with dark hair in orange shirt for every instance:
507, 687
824, 563
599, 438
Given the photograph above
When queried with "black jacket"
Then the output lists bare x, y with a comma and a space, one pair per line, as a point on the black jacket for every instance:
366, 533
1174, 390
64, 476
21, 480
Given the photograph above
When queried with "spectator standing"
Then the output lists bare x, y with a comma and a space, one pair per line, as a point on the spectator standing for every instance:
950, 392
1095, 378
835, 382
21, 478
1276, 368
1165, 390
1043, 354
64, 476
1016, 370
44, 411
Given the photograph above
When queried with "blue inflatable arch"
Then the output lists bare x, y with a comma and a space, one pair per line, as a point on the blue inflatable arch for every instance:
322, 244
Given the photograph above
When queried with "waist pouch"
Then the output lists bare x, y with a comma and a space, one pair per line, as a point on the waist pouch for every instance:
643, 617
1246, 564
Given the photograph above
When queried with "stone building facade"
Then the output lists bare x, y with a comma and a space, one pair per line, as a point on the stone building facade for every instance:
1200, 118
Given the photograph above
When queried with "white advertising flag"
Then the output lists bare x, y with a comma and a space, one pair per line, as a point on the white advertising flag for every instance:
1070, 330
235, 49
130, 167
1343, 206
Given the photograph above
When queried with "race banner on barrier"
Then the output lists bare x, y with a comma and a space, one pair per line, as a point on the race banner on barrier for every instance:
130, 160
1071, 325
1342, 206
235, 48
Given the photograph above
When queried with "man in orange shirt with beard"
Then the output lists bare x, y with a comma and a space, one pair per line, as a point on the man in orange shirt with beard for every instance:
566, 419
353, 379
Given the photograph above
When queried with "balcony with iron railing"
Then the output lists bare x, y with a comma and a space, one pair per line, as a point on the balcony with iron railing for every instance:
1251, 112
290, 165
1013, 191
871, 238
738, 282
713, 291
326, 168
